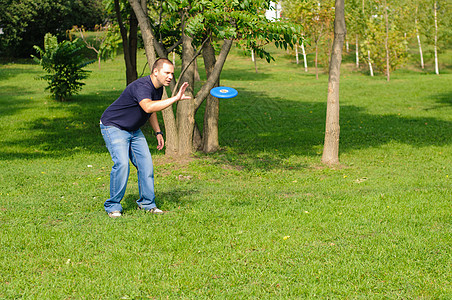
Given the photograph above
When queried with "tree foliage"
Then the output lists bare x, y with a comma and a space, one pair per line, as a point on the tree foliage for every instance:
25, 22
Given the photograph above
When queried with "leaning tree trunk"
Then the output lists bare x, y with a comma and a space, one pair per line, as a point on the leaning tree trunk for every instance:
331, 146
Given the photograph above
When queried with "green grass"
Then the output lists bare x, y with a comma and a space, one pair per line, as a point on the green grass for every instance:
262, 218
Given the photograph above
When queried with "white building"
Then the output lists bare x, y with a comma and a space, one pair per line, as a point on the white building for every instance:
274, 13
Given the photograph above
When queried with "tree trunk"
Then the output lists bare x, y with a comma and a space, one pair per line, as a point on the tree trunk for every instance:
179, 128
146, 31
331, 146
304, 57
435, 8
316, 60
253, 58
125, 46
388, 74
419, 42
171, 134
357, 52
370, 64
210, 131
185, 114
197, 77
296, 54
133, 46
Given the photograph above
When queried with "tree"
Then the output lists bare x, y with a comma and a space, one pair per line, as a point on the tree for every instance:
199, 26
64, 63
332, 131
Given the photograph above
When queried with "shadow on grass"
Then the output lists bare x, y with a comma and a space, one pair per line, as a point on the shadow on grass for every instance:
260, 131
263, 132
8, 72
445, 98
232, 74
50, 136
164, 199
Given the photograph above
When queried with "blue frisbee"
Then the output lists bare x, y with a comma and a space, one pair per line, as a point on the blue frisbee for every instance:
223, 92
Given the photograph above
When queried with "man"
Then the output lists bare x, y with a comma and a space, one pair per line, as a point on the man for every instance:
120, 126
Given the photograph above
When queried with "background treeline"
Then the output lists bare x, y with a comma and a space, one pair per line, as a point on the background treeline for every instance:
378, 30
25, 22
383, 33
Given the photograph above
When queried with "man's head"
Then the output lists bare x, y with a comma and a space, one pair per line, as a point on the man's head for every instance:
162, 72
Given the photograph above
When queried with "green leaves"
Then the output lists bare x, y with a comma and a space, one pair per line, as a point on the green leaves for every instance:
64, 63
241, 20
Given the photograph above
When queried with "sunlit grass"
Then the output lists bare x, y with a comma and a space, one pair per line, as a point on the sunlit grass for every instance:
262, 218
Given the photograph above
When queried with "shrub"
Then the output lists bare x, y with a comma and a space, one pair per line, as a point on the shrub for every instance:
64, 63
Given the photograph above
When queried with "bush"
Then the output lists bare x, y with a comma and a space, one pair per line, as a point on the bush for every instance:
64, 63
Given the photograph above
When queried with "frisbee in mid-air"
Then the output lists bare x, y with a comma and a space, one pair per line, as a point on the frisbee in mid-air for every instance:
224, 92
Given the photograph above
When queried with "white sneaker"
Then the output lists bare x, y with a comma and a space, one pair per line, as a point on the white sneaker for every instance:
156, 211
115, 214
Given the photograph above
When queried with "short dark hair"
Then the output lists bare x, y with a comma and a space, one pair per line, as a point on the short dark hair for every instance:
158, 64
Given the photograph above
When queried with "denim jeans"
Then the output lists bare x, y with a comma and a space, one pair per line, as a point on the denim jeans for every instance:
124, 145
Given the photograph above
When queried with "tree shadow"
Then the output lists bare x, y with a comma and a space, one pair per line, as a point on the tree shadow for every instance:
260, 132
61, 137
8, 72
263, 132
9, 104
444, 98
232, 74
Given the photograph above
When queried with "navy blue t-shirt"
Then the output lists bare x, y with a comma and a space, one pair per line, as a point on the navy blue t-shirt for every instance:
126, 112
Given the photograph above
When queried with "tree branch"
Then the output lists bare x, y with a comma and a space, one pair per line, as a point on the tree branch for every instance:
215, 75
188, 65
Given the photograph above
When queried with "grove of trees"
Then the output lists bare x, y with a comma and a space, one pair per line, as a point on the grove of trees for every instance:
382, 33
381, 30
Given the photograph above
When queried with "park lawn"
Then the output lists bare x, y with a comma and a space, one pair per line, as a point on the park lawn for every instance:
262, 218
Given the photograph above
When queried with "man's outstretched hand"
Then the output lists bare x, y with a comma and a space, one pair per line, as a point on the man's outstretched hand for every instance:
181, 94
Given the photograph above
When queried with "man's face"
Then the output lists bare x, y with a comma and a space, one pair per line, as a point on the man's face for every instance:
164, 75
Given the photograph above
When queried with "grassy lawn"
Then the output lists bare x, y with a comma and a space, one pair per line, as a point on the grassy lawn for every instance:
260, 219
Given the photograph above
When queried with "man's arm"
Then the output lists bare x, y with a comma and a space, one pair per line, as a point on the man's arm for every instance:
151, 106
156, 127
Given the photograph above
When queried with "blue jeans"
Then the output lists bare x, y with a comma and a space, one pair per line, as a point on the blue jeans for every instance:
124, 145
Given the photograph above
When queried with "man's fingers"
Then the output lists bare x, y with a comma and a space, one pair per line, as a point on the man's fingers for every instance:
184, 87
